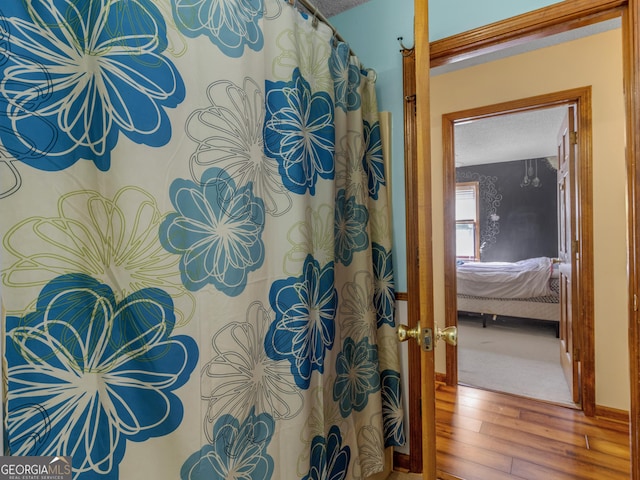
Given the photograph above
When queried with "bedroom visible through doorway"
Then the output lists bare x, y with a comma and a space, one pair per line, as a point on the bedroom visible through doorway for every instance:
506, 238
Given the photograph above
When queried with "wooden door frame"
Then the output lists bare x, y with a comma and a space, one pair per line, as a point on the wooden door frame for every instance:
581, 97
412, 462
631, 52
419, 213
556, 18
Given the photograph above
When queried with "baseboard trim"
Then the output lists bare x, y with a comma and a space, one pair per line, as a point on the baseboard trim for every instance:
613, 414
401, 461
608, 413
403, 296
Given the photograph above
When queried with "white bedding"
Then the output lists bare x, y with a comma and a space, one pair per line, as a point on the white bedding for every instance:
524, 279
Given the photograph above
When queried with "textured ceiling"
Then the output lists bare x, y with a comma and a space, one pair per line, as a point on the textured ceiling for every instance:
329, 8
516, 136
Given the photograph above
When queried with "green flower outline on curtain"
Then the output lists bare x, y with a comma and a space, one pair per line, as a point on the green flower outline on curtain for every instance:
113, 240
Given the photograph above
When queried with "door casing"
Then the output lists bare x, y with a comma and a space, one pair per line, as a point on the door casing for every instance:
581, 97
562, 16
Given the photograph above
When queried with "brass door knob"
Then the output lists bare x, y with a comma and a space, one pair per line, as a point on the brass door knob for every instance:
424, 336
404, 333
448, 334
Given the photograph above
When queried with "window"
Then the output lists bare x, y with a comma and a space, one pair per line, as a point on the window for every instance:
467, 224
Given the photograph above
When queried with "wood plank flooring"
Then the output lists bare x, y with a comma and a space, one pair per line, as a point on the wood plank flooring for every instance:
483, 435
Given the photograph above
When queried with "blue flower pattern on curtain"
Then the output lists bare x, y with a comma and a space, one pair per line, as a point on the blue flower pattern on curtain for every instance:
299, 133
237, 451
90, 373
229, 24
304, 327
217, 231
211, 294
373, 162
346, 77
76, 74
358, 375
329, 459
351, 228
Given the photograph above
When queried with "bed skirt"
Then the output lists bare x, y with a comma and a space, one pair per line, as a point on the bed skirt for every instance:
529, 308
539, 308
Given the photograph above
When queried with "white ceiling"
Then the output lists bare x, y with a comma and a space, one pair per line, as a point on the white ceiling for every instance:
516, 136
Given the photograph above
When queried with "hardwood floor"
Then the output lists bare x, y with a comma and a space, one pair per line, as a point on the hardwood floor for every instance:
489, 436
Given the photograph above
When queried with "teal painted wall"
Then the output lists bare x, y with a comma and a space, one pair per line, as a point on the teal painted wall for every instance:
372, 30
448, 17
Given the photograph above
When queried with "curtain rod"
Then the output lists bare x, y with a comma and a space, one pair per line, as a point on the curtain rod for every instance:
313, 10
317, 15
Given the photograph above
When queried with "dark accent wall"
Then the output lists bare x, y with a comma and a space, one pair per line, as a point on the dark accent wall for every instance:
527, 226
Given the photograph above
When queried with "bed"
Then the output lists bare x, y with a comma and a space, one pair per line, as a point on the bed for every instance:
525, 289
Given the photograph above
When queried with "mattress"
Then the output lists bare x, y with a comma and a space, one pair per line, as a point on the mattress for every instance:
542, 307
522, 279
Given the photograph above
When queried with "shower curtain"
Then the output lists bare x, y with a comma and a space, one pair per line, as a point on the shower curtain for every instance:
196, 249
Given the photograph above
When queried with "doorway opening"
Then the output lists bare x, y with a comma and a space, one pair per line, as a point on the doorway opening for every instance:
422, 171
523, 324
508, 290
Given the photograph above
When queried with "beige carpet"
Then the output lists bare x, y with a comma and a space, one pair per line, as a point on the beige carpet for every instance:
512, 355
